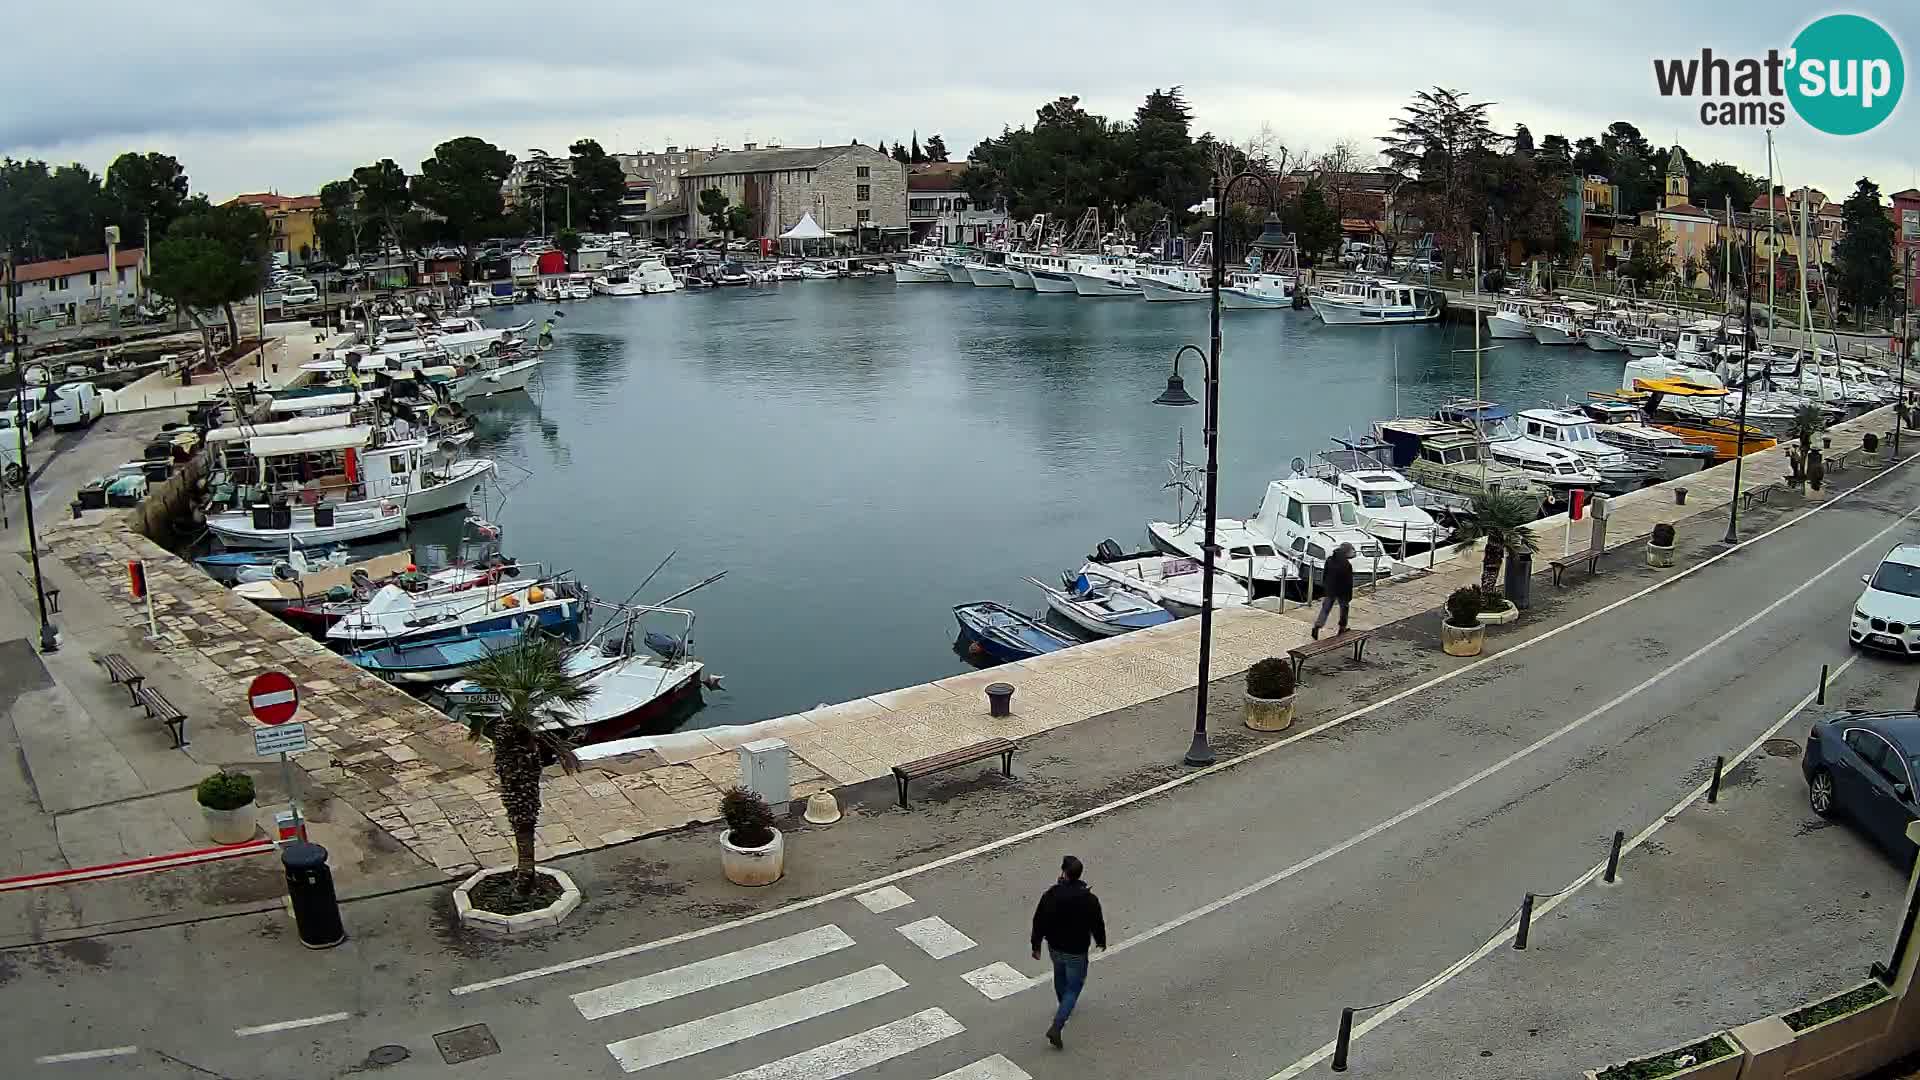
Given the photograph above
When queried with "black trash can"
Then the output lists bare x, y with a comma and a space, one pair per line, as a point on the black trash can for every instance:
262, 516
999, 699
323, 515
310, 887
1519, 584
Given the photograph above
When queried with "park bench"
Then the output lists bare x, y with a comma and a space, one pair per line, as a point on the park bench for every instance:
1356, 638
121, 672
159, 708
1590, 558
964, 755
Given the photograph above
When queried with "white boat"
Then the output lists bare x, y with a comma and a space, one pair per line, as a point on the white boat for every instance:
275, 594
552, 290
956, 265
1175, 583
1018, 275
1512, 318
1677, 456
1385, 501
988, 275
1175, 284
297, 564
394, 614
1255, 292
616, 281
1552, 467
306, 526
499, 377
1309, 518
1600, 335
1101, 278
1574, 432
920, 269
1382, 305
1102, 608
1246, 557
1556, 326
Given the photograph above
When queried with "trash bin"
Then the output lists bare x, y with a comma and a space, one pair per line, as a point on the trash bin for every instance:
316, 913
1519, 585
323, 515
262, 516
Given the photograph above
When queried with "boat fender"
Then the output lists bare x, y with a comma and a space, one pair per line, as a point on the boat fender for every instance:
508, 603
534, 595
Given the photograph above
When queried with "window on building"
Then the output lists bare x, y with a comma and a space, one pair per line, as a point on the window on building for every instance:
863, 193
866, 215
93, 277
862, 171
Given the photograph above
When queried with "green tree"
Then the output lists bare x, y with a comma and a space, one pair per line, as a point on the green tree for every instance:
1441, 139
1713, 185
1651, 260
339, 223
1863, 259
1633, 168
713, 206
212, 257
598, 185
568, 241
145, 192
48, 213
1313, 221
739, 221
1501, 518
535, 694
384, 193
547, 178
936, 148
900, 154
916, 155
461, 183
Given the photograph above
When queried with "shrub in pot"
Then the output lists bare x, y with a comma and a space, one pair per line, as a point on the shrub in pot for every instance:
1461, 633
1660, 546
226, 801
752, 852
1269, 701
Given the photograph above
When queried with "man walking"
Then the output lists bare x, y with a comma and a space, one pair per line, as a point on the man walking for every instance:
1336, 587
1068, 919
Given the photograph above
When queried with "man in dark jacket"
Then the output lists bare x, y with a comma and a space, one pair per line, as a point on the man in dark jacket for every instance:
1068, 919
1336, 586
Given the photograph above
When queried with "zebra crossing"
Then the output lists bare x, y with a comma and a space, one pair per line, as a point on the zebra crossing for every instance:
627, 1001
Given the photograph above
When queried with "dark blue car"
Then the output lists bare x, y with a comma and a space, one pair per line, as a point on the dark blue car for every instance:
1861, 766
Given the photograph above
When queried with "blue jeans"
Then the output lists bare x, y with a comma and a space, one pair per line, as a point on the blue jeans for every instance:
1326, 608
1069, 975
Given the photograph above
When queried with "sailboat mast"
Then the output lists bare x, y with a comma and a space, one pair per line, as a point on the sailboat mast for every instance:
1773, 239
1479, 451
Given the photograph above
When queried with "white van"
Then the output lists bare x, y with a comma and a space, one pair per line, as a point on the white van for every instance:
77, 404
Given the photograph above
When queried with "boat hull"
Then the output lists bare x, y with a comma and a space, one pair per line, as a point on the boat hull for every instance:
1554, 335
1600, 342
1020, 276
1335, 313
916, 275
989, 277
237, 531
1100, 287
1507, 327
1160, 293
1052, 281
957, 273
1241, 300
554, 616
502, 380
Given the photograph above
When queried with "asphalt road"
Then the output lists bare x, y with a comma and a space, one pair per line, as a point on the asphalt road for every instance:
1347, 867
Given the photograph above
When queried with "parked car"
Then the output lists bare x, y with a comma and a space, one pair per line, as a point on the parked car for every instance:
77, 404
39, 410
1426, 266
300, 292
1887, 614
1861, 766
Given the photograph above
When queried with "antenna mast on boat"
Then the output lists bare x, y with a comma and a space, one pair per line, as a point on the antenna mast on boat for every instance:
1773, 241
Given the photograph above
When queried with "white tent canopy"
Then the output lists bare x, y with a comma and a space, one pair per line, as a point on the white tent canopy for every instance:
807, 229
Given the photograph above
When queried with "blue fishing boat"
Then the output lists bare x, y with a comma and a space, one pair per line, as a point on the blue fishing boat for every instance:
436, 660
225, 566
997, 632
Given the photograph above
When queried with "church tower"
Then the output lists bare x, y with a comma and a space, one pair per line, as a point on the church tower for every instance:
1676, 177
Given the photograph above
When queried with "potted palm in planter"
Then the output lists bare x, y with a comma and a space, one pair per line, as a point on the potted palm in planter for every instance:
1807, 422
1660, 546
752, 852
226, 801
1269, 703
1501, 519
1461, 632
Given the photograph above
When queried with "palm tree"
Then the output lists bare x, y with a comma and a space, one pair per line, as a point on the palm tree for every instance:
533, 688
1501, 517
1807, 422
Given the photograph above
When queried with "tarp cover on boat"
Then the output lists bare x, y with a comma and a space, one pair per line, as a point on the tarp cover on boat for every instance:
807, 229
309, 442
280, 427
310, 402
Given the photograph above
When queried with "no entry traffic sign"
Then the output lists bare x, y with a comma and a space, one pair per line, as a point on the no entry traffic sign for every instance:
273, 698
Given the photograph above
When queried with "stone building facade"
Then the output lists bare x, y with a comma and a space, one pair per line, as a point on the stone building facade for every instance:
852, 191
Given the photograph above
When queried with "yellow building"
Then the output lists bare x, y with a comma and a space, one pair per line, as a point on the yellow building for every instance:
1688, 228
290, 224
1782, 240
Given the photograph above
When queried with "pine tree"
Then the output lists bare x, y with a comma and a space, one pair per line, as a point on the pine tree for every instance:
1863, 259
915, 156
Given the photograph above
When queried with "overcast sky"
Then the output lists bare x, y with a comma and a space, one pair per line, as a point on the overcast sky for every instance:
253, 97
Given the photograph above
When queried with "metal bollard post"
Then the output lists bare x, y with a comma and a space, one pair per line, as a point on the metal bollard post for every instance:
1713, 789
1526, 922
1341, 1042
1613, 856
1821, 697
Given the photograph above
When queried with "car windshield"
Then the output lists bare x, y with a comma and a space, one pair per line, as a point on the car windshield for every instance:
1896, 577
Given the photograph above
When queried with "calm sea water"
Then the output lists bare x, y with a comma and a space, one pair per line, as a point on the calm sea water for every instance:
861, 456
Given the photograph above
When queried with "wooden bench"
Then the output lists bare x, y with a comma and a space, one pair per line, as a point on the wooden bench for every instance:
159, 708
1356, 638
1590, 558
120, 671
964, 755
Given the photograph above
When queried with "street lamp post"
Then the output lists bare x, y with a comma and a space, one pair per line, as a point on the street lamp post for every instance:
1906, 342
1199, 752
49, 634
1740, 434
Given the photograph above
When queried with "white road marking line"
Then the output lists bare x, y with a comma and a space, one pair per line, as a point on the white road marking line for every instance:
86, 1055
998, 979
936, 937
721, 1029
880, 900
843, 1057
1160, 789
1459, 967
289, 1025
714, 971
996, 1067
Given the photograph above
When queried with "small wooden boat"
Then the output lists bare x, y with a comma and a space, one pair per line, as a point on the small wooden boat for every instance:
226, 567
433, 661
997, 632
1102, 608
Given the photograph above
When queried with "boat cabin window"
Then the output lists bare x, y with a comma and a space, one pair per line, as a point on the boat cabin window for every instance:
1315, 551
1376, 500
1295, 514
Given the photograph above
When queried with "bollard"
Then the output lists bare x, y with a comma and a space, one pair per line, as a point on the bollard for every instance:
1526, 922
1713, 789
1821, 697
999, 699
1341, 1042
1613, 857
1679, 496
316, 912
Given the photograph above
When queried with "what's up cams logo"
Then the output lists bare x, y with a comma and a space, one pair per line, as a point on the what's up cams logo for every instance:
1843, 75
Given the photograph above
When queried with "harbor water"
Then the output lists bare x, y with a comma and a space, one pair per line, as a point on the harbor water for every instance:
861, 456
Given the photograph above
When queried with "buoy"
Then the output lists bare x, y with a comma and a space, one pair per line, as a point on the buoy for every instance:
535, 595
822, 808
412, 569
508, 602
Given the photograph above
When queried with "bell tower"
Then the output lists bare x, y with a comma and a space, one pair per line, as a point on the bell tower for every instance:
1676, 176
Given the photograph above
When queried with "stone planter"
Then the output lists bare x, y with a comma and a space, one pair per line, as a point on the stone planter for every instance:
753, 866
1659, 557
1462, 640
1720, 1068
231, 826
526, 921
1269, 714
1507, 613
1845, 1044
